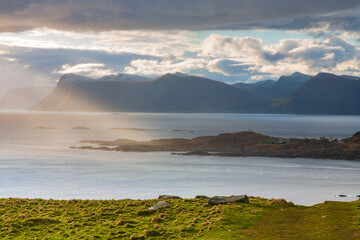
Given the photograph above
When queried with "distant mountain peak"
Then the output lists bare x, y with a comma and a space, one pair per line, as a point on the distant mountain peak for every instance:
71, 78
181, 74
325, 74
122, 77
298, 74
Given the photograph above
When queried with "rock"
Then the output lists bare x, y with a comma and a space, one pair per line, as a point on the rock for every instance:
201, 196
342, 195
224, 200
158, 205
168, 197
358, 196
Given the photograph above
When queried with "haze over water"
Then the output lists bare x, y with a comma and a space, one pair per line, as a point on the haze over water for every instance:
37, 163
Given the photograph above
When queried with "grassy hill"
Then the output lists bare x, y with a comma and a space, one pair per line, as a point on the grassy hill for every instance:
183, 219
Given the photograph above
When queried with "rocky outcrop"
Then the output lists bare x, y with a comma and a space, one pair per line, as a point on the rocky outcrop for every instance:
355, 139
158, 205
201, 197
168, 197
224, 200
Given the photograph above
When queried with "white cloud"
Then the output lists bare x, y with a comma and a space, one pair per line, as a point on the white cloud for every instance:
352, 65
154, 67
217, 45
94, 70
155, 43
235, 56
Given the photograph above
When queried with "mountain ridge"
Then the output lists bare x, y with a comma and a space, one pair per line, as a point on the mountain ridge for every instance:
192, 94
167, 93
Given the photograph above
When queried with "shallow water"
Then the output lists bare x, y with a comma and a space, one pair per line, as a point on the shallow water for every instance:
37, 163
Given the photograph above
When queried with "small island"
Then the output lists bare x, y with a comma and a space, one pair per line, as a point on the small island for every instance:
46, 128
81, 128
135, 129
240, 144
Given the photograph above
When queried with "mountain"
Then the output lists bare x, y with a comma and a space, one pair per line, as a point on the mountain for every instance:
251, 86
122, 77
284, 87
168, 93
73, 78
324, 94
23, 98
350, 77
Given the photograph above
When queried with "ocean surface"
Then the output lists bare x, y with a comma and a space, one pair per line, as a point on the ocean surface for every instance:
36, 162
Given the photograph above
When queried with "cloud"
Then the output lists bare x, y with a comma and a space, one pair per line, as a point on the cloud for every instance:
94, 70
228, 67
217, 45
50, 60
155, 43
155, 67
94, 15
237, 56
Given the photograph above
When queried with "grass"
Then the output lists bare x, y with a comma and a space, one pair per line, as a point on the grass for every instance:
184, 219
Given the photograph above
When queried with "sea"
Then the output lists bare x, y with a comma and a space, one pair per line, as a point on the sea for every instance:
36, 160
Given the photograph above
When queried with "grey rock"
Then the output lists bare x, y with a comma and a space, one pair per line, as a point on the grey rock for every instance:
224, 200
161, 204
168, 197
201, 196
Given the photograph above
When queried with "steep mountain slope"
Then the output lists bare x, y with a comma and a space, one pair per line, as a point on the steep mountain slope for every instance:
284, 87
23, 98
168, 93
325, 94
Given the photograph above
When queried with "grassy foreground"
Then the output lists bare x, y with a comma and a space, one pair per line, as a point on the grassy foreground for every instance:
183, 219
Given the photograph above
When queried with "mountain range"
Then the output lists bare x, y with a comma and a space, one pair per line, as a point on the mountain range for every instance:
168, 93
297, 93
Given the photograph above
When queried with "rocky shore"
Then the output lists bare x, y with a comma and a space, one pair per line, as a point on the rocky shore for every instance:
241, 144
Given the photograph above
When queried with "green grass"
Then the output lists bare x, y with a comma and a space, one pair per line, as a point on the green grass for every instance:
184, 219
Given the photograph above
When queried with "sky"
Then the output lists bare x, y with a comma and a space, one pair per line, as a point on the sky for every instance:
228, 40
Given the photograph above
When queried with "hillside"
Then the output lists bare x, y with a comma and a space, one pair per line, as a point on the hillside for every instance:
182, 219
168, 93
325, 94
284, 87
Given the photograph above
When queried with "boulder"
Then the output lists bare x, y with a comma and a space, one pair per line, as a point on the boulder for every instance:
161, 204
201, 196
224, 200
168, 197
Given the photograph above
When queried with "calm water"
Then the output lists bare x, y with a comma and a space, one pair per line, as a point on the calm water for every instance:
37, 163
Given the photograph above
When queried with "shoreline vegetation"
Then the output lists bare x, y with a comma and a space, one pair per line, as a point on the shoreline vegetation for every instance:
240, 144
171, 217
